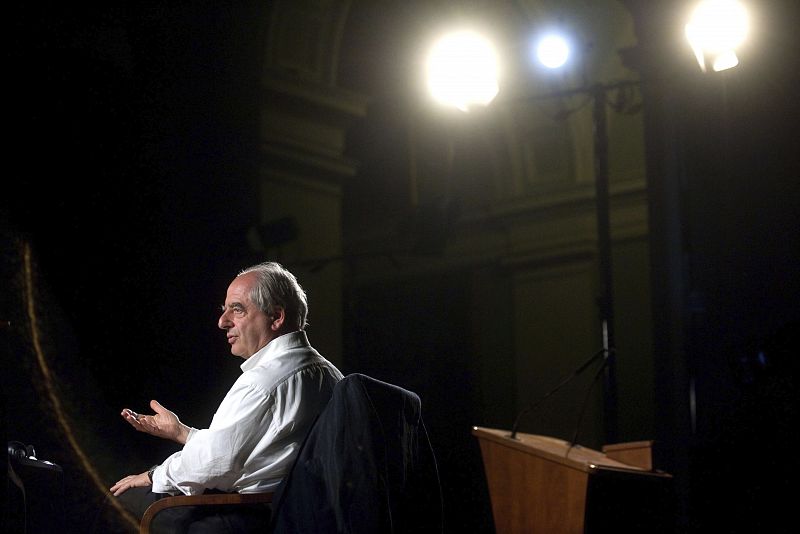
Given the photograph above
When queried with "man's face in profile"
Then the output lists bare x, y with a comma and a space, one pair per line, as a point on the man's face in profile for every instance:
247, 326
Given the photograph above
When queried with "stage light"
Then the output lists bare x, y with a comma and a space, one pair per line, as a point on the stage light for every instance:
462, 70
552, 51
716, 29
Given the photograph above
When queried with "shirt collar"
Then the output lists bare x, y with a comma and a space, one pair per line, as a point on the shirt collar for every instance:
292, 340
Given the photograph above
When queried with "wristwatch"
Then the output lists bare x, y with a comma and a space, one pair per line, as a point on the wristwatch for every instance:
150, 473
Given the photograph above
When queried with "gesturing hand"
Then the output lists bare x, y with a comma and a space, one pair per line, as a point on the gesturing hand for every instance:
163, 423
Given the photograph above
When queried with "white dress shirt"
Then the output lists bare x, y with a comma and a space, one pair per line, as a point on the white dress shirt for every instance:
259, 426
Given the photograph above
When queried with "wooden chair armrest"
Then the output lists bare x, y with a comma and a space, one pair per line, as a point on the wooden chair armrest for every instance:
218, 499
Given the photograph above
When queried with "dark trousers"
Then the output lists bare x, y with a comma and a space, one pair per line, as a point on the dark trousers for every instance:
238, 519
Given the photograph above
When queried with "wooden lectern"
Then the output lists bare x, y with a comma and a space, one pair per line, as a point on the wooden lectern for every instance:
540, 484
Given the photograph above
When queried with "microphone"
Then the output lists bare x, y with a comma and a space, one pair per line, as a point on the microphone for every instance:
536, 402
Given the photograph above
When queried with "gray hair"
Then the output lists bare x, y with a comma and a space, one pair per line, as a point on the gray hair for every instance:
278, 287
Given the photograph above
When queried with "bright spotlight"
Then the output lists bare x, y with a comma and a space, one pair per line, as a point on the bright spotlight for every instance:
716, 29
462, 70
552, 51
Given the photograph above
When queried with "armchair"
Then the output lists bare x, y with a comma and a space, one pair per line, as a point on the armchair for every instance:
366, 465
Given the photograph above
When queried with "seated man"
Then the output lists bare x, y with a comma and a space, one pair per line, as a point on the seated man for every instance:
259, 426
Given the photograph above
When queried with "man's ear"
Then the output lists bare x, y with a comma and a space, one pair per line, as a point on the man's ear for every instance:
278, 318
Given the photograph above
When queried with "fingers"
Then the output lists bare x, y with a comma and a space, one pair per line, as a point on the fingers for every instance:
130, 481
130, 416
133, 418
163, 423
122, 486
142, 423
154, 404
118, 489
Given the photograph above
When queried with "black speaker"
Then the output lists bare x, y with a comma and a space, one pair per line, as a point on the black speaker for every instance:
621, 502
34, 492
20, 451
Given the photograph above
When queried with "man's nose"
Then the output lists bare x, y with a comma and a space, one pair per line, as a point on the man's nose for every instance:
224, 322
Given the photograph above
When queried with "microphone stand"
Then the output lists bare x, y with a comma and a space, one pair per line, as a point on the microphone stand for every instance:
597, 375
602, 352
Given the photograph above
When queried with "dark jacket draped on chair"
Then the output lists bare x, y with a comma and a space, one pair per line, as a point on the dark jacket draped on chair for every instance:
367, 466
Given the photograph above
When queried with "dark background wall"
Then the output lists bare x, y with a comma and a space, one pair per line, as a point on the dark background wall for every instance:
722, 171
134, 134
130, 146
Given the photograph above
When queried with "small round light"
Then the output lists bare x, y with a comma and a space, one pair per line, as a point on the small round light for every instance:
552, 51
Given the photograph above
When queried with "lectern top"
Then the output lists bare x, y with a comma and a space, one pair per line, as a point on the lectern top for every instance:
553, 449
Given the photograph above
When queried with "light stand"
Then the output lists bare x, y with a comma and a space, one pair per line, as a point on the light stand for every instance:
605, 299
598, 93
